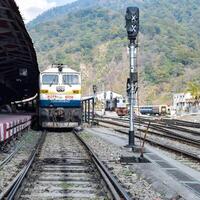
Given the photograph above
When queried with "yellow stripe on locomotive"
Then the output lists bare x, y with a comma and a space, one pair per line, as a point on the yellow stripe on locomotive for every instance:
69, 92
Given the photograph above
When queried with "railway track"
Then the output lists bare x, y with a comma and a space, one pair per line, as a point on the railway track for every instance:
172, 125
10, 156
13, 152
13, 161
181, 123
165, 124
123, 128
62, 166
157, 130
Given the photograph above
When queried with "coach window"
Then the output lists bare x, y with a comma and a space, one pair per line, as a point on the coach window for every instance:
50, 79
70, 79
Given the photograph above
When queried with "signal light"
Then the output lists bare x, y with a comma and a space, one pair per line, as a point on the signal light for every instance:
44, 91
132, 22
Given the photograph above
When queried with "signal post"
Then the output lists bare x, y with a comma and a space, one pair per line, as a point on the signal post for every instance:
132, 27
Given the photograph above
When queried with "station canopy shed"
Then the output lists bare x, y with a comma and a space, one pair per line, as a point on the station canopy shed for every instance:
18, 63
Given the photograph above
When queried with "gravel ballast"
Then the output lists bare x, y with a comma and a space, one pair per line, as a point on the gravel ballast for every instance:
110, 154
9, 171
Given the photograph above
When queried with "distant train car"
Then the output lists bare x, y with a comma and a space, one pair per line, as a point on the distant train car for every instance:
60, 98
121, 107
111, 104
154, 110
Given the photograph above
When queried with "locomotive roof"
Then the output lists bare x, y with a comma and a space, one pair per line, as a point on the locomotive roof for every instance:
55, 70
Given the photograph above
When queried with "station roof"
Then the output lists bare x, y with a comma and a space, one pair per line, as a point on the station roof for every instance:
18, 63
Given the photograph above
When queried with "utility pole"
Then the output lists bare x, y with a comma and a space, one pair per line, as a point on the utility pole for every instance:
132, 26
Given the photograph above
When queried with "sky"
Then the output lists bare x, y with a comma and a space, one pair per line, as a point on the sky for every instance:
30, 9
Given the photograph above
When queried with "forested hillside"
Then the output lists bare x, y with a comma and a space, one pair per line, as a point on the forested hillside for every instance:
89, 35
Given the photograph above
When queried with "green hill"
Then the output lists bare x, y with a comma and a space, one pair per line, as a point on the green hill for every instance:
89, 35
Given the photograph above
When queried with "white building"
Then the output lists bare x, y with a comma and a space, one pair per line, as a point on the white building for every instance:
184, 102
108, 94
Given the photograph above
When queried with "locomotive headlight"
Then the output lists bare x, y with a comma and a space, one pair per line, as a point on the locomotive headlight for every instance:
44, 91
76, 91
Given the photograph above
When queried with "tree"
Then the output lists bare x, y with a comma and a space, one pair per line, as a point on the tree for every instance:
194, 90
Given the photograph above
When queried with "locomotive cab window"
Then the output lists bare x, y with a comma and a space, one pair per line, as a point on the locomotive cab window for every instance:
50, 79
71, 79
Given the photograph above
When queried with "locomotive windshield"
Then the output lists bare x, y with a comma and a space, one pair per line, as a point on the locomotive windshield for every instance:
50, 79
71, 79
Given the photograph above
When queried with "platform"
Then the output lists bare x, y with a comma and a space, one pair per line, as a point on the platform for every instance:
12, 124
165, 174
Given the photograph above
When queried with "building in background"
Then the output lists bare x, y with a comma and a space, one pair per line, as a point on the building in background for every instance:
185, 103
107, 95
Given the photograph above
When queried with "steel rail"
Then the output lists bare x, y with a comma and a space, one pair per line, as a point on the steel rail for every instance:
10, 156
156, 143
173, 135
157, 125
171, 125
168, 134
161, 123
174, 122
166, 146
182, 123
178, 128
10, 192
115, 188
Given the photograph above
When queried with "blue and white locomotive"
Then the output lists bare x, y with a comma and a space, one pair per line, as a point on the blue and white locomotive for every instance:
60, 97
